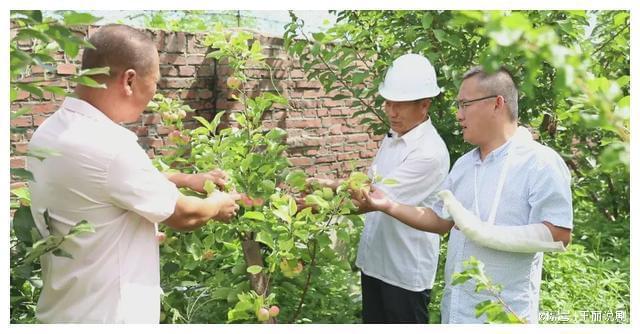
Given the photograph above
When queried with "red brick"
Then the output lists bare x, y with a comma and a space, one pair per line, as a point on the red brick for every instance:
332, 103
151, 142
39, 119
205, 94
16, 185
140, 131
295, 74
312, 93
175, 42
205, 70
301, 161
195, 59
194, 45
17, 162
172, 59
358, 138
151, 119
44, 108
303, 123
305, 84
170, 71
66, 69
310, 113
186, 71
176, 82
164, 130
22, 122
326, 158
367, 154
21, 148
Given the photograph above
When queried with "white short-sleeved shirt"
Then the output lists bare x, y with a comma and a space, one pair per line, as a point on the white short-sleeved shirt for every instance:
390, 250
536, 189
103, 176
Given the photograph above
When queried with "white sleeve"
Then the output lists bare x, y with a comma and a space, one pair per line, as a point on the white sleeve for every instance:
134, 184
417, 181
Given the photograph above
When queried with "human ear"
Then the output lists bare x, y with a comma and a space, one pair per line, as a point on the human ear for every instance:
128, 77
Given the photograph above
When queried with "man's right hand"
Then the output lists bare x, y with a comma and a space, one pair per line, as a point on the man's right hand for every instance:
226, 203
376, 200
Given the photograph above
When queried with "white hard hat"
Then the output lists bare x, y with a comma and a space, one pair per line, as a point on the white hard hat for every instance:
411, 77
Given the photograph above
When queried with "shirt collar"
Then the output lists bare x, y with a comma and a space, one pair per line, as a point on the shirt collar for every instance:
521, 136
414, 134
84, 108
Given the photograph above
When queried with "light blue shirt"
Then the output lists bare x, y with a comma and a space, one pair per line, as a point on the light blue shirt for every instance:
536, 189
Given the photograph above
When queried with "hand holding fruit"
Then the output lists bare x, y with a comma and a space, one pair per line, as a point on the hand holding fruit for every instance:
196, 181
226, 203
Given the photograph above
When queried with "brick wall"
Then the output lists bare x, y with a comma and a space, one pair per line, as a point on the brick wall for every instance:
323, 138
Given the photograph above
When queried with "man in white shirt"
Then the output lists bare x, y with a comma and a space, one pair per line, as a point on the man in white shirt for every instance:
515, 201
398, 263
103, 176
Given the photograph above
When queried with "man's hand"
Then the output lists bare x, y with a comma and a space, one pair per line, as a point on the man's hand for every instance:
333, 184
226, 203
375, 200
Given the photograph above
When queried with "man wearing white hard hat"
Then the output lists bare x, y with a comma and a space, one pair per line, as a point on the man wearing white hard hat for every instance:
509, 198
398, 263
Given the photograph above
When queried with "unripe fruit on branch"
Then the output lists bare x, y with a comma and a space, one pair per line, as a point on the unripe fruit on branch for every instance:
274, 311
262, 314
233, 82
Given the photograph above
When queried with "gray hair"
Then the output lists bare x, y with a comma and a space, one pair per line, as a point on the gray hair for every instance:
498, 83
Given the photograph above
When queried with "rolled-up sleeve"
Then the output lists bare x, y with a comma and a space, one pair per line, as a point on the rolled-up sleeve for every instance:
134, 184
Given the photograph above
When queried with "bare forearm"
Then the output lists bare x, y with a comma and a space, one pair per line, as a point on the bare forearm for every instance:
191, 213
179, 179
420, 218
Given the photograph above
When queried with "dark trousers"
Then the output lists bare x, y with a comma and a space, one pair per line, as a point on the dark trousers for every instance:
384, 303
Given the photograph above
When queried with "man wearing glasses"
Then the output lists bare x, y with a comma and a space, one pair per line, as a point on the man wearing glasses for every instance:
509, 198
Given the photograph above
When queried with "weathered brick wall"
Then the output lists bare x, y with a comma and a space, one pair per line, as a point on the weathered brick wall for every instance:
323, 138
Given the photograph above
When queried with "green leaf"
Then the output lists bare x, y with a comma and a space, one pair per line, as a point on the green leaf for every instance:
358, 78
22, 173
255, 215
255, 269
87, 81
75, 18
426, 20
297, 179
221, 293
59, 91
170, 268
94, 71
22, 224
316, 200
265, 238
62, 253
209, 186
204, 122
22, 111
31, 88
389, 182
81, 227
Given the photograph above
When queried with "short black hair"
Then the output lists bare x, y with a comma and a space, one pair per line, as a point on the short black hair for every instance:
499, 83
120, 47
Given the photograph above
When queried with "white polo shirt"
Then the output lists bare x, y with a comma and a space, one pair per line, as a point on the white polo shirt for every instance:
103, 176
390, 250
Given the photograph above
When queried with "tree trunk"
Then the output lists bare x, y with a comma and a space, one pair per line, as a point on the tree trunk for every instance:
253, 257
